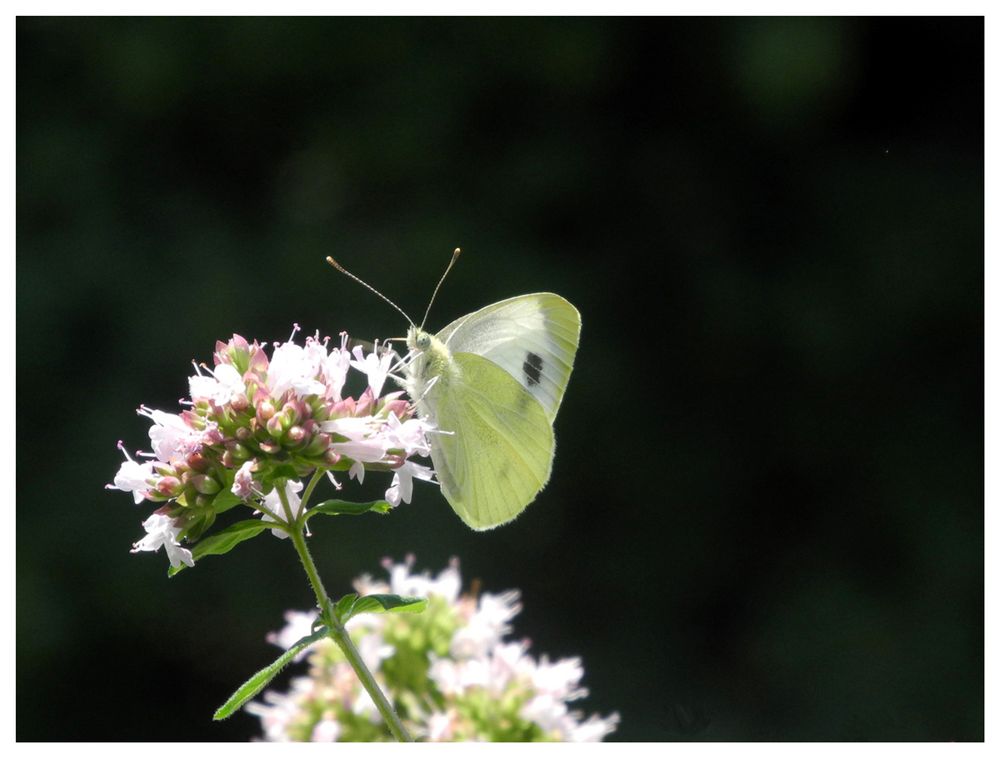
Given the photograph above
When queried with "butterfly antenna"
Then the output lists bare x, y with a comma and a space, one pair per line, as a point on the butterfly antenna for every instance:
454, 257
366, 285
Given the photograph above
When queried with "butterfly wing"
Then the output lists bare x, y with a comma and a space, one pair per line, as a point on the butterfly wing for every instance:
495, 446
531, 337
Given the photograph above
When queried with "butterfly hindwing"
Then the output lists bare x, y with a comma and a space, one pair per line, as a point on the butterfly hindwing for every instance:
495, 446
531, 337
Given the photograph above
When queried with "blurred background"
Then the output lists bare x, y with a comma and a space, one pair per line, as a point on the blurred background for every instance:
765, 520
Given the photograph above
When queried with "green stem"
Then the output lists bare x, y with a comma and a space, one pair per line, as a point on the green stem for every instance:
339, 635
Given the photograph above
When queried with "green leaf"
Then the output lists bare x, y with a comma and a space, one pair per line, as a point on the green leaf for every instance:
224, 541
342, 609
262, 678
345, 508
351, 605
225, 500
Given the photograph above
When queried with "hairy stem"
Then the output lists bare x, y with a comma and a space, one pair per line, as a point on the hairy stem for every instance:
339, 635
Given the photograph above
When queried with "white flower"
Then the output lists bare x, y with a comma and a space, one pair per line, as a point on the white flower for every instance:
401, 488
441, 726
334, 368
272, 501
172, 439
221, 386
409, 435
326, 730
160, 530
243, 481
135, 478
594, 729
559, 679
292, 367
376, 368
487, 625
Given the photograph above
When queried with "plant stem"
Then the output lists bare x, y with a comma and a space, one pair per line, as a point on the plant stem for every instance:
339, 635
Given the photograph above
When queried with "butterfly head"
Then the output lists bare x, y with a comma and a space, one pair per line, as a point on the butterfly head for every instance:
431, 356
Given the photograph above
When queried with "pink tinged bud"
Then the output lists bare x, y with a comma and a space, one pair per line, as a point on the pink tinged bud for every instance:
398, 406
275, 427
293, 412
365, 403
164, 469
265, 411
197, 462
318, 445
239, 403
343, 407
296, 435
213, 436
258, 359
169, 486
243, 434
206, 485
228, 460
331, 458
311, 426
269, 447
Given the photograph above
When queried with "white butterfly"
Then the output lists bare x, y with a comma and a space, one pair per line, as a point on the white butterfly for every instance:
492, 383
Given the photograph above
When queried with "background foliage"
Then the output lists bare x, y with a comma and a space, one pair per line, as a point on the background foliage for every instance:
765, 518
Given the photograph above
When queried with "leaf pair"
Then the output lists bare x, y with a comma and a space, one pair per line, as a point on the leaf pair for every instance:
224, 541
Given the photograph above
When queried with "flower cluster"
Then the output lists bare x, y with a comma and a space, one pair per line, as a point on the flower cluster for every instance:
255, 425
449, 670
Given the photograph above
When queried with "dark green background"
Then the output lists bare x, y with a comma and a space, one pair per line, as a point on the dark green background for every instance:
765, 518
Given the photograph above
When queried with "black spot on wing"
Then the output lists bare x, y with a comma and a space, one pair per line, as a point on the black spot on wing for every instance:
533, 369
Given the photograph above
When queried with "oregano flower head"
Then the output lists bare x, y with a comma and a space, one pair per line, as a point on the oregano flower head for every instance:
256, 424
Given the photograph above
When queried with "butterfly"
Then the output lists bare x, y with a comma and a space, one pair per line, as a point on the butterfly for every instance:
491, 382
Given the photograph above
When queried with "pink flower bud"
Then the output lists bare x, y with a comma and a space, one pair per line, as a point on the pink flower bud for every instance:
296, 435
242, 434
275, 428
269, 447
239, 403
265, 411
169, 486
292, 411
399, 406
197, 462
365, 403
343, 407
331, 458
318, 444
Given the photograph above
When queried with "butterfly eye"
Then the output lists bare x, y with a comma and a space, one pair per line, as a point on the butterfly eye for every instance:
424, 341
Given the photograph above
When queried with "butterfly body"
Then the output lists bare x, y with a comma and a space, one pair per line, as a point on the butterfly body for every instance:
492, 383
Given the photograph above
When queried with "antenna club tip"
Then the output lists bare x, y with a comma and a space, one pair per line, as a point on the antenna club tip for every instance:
458, 252
332, 262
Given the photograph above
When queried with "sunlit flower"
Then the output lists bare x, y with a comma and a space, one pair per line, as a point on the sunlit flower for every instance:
257, 425
448, 670
161, 531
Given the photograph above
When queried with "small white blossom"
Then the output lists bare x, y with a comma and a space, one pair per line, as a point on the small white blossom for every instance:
488, 690
401, 489
160, 531
292, 367
272, 501
135, 478
376, 367
221, 386
243, 481
172, 439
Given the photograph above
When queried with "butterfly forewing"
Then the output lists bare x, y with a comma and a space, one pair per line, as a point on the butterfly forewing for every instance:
531, 337
495, 446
